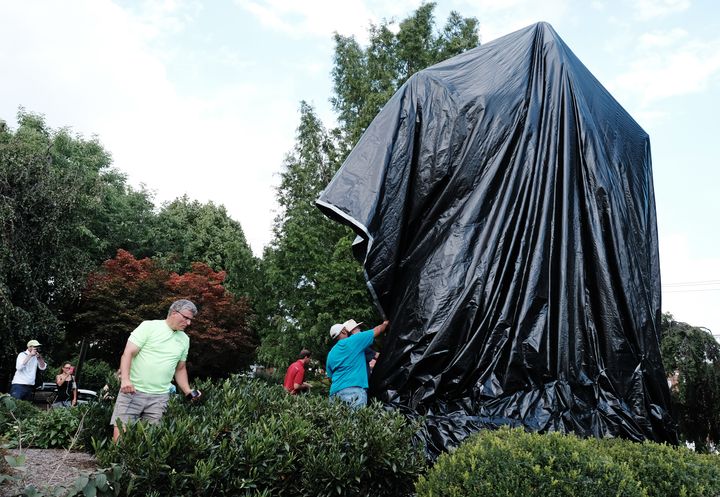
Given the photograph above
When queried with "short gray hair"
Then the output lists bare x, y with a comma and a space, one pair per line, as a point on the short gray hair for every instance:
181, 305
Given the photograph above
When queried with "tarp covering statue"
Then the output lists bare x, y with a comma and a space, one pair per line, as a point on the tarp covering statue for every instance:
505, 213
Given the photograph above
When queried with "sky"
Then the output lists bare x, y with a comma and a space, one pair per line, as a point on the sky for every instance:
202, 97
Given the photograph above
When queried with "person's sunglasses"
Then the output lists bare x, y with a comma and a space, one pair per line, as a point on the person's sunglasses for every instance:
186, 317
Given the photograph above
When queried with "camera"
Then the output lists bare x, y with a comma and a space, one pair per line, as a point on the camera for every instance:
193, 396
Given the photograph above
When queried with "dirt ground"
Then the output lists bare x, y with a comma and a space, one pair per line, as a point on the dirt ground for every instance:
49, 467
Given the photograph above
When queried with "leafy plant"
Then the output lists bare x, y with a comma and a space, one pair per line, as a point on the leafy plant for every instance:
54, 428
126, 291
248, 437
514, 463
664, 470
94, 374
14, 410
511, 462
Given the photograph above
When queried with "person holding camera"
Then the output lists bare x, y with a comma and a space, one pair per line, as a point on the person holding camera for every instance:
155, 352
66, 386
26, 366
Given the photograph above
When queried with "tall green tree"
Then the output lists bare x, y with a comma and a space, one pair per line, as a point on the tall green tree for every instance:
188, 231
302, 270
311, 280
54, 190
691, 357
365, 78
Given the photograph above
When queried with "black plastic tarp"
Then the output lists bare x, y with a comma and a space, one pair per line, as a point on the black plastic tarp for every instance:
506, 218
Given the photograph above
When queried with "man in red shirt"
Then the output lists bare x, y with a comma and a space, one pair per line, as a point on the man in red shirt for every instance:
295, 376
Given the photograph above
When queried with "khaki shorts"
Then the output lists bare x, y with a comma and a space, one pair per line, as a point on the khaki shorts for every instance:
133, 406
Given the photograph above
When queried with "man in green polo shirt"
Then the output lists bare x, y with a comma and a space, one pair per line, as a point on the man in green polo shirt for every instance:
155, 352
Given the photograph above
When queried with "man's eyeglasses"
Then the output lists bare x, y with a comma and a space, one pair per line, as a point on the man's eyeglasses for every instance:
186, 317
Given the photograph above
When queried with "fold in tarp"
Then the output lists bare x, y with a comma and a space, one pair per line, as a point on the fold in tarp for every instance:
505, 213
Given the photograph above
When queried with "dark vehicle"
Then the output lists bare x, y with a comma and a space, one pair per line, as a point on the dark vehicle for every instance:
45, 394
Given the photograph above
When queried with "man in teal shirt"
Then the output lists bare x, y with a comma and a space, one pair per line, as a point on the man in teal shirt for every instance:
155, 352
346, 366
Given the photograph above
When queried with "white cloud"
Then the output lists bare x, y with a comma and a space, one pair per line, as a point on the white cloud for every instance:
662, 39
161, 18
500, 17
650, 9
677, 69
102, 75
318, 18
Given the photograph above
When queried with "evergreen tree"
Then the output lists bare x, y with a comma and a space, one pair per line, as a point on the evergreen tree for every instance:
364, 79
302, 270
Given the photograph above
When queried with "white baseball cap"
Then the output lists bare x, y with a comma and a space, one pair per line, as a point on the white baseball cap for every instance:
335, 330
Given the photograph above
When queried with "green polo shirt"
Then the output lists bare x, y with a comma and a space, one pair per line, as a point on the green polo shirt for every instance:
161, 349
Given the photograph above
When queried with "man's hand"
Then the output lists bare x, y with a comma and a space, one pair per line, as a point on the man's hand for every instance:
194, 396
381, 328
127, 387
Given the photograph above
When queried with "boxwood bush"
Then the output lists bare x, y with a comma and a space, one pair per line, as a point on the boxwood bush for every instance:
512, 462
250, 438
664, 470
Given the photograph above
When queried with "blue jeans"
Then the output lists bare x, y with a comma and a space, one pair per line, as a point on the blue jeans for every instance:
22, 392
355, 396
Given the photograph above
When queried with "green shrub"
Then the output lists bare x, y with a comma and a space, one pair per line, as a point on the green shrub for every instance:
94, 374
664, 470
248, 438
54, 428
515, 463
13, 410
270, 376
96, 430
511, 462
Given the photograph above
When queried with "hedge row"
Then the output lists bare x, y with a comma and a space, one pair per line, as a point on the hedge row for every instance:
514, 463
248, 438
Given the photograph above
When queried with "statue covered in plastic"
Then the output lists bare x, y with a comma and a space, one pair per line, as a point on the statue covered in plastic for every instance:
505, 213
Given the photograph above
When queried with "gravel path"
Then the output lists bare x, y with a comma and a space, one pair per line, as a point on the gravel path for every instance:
49, 467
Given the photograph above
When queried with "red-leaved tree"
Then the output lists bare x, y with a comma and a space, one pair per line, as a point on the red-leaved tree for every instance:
126, 291
220, 340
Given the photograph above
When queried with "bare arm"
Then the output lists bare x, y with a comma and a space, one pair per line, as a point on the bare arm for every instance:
181, 378
381, 328
299, 387
74, 400
131, 350
59, 379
